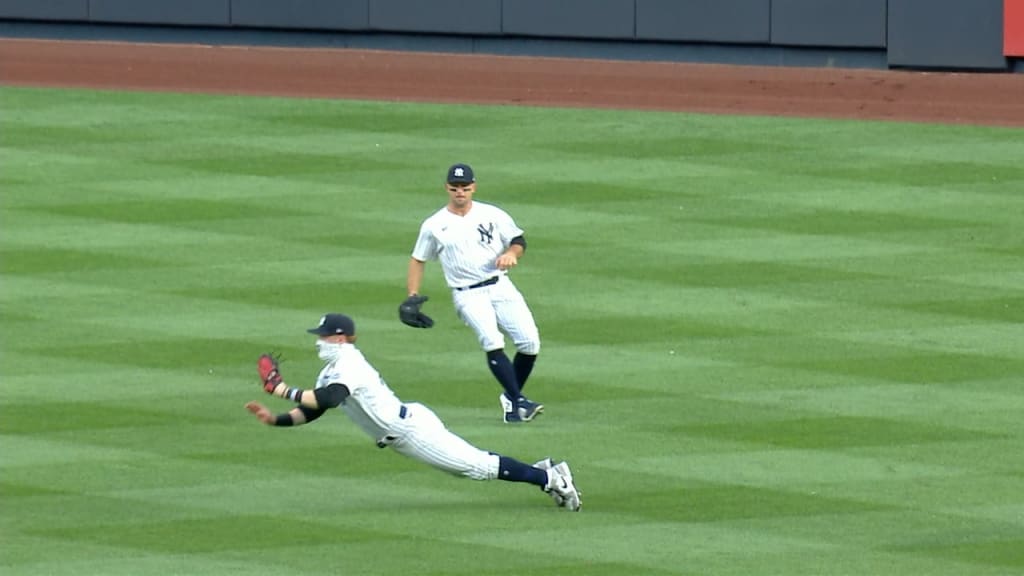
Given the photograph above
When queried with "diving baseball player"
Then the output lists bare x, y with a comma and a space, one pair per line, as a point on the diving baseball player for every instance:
477, 244
349, 382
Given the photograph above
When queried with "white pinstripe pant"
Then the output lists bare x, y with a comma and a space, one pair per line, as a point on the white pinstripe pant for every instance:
422, 435
489, 310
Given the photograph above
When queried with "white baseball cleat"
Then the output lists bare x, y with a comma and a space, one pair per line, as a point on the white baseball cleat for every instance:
545, 464
562, 488
510, 416
506, 404
553, 480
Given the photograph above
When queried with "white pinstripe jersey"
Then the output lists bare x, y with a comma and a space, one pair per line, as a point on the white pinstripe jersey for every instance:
375, 408
372, 405
467, 246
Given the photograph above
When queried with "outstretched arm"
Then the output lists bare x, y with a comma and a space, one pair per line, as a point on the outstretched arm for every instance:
309, 402
320, 399
294, 417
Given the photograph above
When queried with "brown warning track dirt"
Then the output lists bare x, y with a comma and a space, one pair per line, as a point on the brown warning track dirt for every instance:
963, 98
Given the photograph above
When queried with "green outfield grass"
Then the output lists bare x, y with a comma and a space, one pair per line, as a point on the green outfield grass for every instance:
771, 346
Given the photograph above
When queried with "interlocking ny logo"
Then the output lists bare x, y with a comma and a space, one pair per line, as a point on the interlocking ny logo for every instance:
459, 172
486, 234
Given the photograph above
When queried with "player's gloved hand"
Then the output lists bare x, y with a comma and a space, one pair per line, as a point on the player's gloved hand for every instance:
410, 315
269, 371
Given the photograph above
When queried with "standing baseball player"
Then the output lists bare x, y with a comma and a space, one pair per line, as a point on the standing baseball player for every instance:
349, 382
477, 244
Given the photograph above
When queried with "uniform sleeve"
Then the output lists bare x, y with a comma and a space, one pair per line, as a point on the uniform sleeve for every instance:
507, 227
426, 245
332, 377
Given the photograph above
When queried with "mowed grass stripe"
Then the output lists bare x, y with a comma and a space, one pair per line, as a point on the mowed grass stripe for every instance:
770, 345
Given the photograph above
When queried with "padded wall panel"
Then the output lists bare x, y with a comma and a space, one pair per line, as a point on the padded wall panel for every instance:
964, 34
846, 23
437, 16
173, 12
307, 14
727, 21
48, 10
569, 18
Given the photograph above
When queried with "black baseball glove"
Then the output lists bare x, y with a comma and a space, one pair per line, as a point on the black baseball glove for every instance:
410, 315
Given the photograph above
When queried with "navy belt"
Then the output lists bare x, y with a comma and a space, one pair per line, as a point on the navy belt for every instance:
403, 412
488, 282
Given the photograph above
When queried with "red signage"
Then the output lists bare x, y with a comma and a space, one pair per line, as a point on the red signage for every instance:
1013, 28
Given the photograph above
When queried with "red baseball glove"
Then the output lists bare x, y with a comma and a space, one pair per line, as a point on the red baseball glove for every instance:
270, 372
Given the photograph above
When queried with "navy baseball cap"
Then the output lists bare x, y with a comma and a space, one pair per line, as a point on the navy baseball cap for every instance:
331, 324
460, 174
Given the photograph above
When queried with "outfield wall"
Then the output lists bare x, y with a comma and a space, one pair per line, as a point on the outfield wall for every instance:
939, 34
